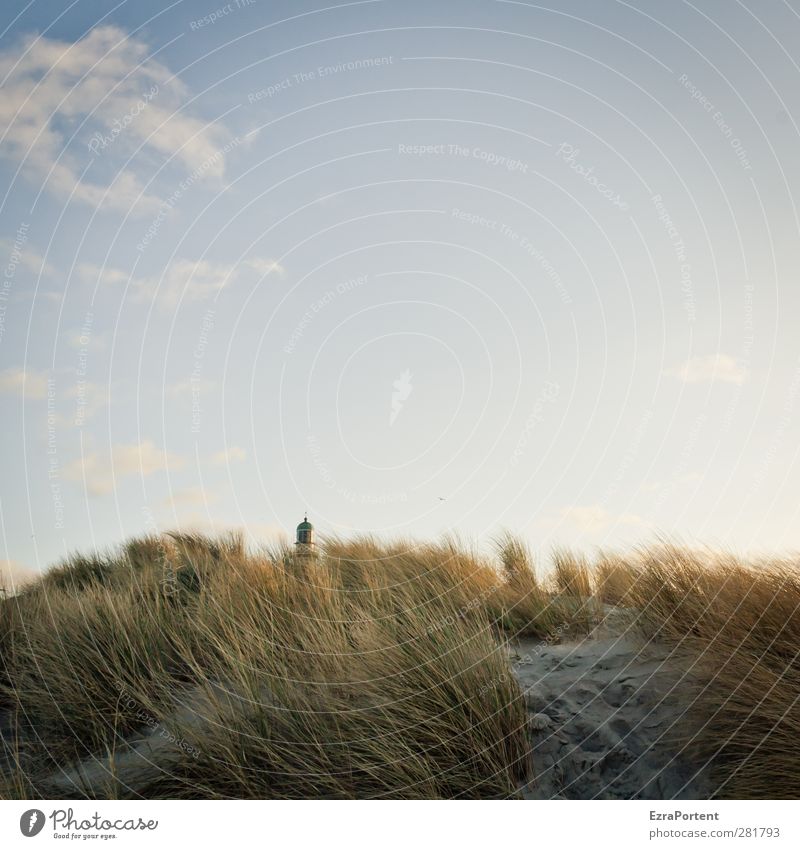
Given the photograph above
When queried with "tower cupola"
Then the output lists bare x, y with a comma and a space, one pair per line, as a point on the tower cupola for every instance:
305, 532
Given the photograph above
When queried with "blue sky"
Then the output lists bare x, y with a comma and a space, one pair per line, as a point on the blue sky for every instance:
538, 262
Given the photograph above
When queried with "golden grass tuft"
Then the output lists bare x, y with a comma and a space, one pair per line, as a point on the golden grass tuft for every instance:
741, 624
367, 670
571, 574
614, 577
184, 666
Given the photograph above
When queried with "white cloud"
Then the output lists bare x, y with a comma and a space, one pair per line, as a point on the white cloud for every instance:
234, 454
105, 275
195, 496
28, 383
91, 341
100, 470
183, 281
51, 297
24, 256
187, 387
703, 369
594, 518
88, 398
85, 396
102, 86
266, 266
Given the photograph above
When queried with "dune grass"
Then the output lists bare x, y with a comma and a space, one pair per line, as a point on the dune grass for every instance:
737, 624
183, 666
741, 623
187, 667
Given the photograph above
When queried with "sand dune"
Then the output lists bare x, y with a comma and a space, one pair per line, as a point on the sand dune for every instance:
603, 715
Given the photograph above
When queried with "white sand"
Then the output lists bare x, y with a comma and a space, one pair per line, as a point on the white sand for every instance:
603, 715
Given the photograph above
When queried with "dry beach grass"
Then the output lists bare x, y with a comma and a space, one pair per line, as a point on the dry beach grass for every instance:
183, 666
369, 670
741, 624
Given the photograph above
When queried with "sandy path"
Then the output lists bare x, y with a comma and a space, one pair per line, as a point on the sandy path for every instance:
601, 712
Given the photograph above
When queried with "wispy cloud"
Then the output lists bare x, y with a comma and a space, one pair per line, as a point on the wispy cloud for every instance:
266, 266
710, 367
183, 388
88, 398
28, 383
58, 94
26, 258
234, 454
594, 518
81, 340
186, 280
195, 496
104, 275
100, 470
183, 281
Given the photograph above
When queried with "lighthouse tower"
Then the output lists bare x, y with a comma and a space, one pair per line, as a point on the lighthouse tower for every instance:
305, 534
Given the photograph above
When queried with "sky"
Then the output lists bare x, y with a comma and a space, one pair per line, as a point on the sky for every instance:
415, 267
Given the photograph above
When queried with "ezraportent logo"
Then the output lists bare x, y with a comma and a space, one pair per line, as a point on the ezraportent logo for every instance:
31, 822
